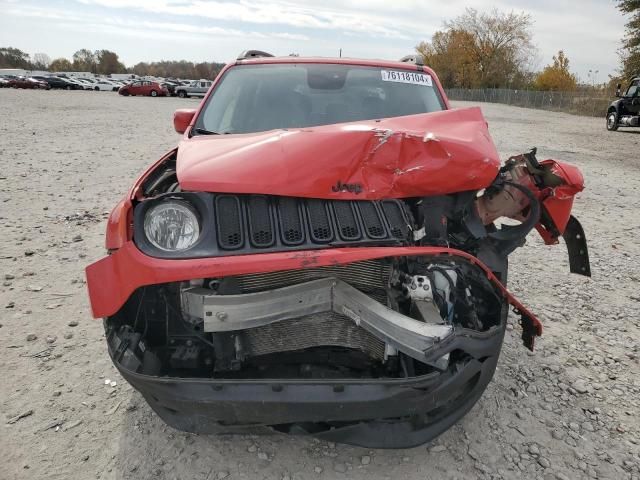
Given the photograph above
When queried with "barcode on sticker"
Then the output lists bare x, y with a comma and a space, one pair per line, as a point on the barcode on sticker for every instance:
415, 78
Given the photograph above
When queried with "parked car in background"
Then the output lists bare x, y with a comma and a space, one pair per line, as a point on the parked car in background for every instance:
144, 87
82, 84
59, 83
197, 88
4, 82
88, 85
171, 86
105, 85
28, 82
74, 81
625, 111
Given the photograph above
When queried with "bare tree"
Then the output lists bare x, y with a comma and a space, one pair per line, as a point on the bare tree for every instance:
502, 42
41, 61
491, 49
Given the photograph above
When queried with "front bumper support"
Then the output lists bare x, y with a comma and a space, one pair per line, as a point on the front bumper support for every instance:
222, 313
112, 280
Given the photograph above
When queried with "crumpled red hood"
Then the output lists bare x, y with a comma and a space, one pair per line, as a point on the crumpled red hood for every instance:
417, 155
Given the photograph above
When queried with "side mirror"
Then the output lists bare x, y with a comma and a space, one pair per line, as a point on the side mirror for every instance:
182, 118
618, 88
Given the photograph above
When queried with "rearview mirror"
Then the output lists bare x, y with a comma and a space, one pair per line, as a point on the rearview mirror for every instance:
182, 118
618, 88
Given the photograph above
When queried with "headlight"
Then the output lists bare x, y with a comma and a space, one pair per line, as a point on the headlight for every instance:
172, 226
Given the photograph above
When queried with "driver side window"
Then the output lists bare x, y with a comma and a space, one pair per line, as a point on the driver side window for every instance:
633, 89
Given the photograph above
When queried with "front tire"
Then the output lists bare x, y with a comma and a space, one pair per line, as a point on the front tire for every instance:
182, 94
612, 121
154, 93
97, 89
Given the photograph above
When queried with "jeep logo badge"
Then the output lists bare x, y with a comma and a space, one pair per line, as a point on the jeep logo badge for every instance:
347, 187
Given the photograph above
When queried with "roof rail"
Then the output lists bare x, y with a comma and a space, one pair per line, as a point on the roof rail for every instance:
253, 54
417, 59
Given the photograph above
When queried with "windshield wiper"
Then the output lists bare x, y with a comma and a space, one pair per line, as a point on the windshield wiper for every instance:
204, 131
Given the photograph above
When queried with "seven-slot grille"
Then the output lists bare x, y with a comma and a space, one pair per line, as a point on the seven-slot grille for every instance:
266, 222
242, 224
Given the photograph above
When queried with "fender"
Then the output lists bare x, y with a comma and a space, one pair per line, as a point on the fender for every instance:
538, 194
120, 220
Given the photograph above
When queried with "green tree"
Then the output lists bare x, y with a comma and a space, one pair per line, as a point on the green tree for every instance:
108, 62
60, 65
14, 58
557, 76
41, 61
84, 60
631, 43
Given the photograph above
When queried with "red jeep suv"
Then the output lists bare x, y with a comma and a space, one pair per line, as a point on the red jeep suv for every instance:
319, 256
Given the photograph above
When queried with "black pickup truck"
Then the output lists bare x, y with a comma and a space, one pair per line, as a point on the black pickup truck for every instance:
625, 111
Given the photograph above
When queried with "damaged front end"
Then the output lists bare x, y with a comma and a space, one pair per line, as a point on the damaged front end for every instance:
398, 346
371, 314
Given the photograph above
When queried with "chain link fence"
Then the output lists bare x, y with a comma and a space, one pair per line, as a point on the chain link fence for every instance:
592, 102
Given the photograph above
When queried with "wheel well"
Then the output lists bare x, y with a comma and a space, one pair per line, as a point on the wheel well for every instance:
611, 109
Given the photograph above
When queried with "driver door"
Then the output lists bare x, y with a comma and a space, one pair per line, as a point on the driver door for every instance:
632, 98
136, 88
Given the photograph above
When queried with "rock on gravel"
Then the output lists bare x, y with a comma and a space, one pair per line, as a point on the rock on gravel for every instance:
580, 386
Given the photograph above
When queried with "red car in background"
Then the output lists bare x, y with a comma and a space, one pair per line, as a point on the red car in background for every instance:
24, 82
144, 87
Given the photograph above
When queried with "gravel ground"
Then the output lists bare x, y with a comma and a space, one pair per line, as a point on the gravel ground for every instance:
571, 410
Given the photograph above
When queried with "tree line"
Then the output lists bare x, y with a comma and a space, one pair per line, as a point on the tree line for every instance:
105, 62
630, 52
495, 50
474, 50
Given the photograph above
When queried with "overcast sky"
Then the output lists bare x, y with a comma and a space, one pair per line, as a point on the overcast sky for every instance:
589, 31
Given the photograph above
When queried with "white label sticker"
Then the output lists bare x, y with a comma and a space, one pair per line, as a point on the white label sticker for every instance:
402, 76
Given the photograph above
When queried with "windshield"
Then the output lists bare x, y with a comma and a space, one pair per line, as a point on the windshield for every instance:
255, 98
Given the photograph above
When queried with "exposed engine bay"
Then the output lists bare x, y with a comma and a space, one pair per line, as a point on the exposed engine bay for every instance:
327, 322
